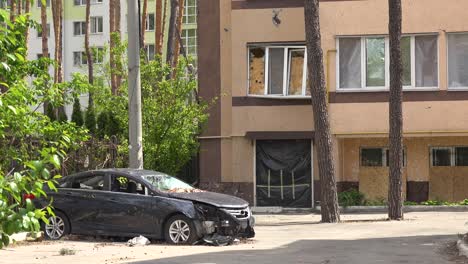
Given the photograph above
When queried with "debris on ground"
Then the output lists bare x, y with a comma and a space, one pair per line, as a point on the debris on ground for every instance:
218, 240
138, 241
67, 252
462, 245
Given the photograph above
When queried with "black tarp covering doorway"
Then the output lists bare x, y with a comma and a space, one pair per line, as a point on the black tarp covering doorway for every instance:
283, 173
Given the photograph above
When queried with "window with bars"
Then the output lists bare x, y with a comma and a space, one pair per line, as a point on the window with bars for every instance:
377, 157
449, 156
190, 12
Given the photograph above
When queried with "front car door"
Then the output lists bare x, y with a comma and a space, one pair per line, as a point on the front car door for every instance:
129, 209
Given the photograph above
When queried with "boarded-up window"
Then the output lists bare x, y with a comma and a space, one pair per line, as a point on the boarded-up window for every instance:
296, 71
277, 70
257, 71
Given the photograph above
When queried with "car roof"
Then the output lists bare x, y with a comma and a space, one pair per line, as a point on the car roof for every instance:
126, 171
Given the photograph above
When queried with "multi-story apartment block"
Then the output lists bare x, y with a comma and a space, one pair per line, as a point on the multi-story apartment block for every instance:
259, 142
74, 16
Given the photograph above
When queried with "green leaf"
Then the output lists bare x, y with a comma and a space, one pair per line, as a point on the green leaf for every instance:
13, 109
55, 160
5, 66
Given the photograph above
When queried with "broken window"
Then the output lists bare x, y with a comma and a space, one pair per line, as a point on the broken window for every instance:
278, 71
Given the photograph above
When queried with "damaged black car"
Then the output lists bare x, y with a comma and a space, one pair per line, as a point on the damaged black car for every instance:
131, 202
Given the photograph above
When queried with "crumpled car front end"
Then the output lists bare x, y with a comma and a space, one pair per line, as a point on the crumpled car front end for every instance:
225, 222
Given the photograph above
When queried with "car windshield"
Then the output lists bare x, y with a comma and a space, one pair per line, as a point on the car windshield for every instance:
166, 183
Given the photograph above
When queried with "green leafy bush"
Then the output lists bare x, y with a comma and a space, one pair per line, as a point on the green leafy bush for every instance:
351, 198
32, 145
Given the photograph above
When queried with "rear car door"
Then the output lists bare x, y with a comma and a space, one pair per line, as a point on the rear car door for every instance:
88, 192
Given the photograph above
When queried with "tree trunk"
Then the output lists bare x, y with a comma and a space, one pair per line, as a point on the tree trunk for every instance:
112, 46
57, 19
27, 7
158, 28
20, 7
172, 37
178, 33
45, 38
323, 141
118, 59
144, 17
395, 200
13, 10
89, 53
163, 27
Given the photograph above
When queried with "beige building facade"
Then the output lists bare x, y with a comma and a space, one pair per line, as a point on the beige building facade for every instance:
259, 141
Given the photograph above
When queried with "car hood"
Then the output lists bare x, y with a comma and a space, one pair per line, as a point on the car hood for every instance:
212, 198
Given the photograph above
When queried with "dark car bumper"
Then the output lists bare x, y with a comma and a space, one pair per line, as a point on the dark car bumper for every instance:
228, 226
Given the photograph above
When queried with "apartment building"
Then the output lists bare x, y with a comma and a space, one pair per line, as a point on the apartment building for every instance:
259, 142
74, 28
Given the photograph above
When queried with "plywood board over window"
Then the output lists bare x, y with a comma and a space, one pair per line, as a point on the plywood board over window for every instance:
257, 71
296, 73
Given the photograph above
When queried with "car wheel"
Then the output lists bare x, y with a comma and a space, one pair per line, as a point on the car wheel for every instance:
179, 229
57, 227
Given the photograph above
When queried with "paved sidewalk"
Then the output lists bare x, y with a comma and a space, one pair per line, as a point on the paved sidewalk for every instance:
281, 239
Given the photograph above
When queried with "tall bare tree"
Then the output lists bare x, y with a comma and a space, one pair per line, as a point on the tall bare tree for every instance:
112, 45
20, 7
89, 53
144, 20
13, 10
57, 15
44, 31
158, 28
172, 35
178, 33
27, 7
395, 199
329, 198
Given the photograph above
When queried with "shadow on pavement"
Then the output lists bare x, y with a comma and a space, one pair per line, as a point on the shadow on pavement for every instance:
416, 249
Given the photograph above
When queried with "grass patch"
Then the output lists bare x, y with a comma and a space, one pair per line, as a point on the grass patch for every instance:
67, 252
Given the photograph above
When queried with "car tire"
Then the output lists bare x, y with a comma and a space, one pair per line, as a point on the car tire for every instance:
57, 227
180, 230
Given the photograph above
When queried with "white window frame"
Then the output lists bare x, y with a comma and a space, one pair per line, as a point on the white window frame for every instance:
98, 18
93, 2
462, 88
186, 14
81, 27
364, 87
148, 23
148, 47
39, 3
286, 71
48, 32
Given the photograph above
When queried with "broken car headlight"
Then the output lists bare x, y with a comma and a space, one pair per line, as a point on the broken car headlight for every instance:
205, 210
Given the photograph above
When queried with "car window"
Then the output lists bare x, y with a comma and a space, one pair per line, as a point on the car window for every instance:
125, 185
94, 182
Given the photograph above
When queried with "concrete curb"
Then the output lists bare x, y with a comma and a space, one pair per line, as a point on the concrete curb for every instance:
361, 209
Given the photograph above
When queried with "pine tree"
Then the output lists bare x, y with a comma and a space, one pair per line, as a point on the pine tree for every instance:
77, 114
90, 120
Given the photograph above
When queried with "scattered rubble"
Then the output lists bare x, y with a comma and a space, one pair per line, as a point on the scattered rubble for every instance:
138, 241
